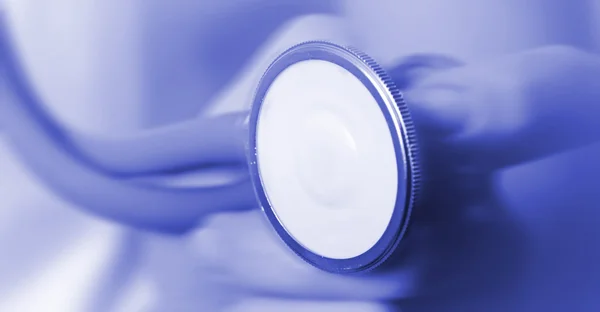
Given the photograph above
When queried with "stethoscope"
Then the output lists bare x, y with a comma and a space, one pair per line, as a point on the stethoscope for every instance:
329, 145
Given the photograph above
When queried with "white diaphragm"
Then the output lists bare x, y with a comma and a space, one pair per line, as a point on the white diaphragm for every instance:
327, 159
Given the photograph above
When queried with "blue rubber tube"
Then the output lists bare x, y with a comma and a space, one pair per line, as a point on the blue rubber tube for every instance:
95, 172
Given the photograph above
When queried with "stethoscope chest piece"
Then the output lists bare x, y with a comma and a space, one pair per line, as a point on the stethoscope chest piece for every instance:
333, 156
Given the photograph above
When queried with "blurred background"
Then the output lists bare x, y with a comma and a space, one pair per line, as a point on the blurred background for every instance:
119, 66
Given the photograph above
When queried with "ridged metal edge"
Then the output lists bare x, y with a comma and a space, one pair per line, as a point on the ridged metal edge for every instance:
409, 133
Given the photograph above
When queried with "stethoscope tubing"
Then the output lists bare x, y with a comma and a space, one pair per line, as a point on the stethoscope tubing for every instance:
95, 172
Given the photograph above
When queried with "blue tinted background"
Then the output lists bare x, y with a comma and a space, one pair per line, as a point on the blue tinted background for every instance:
117, 67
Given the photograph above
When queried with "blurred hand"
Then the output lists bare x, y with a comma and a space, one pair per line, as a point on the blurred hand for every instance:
481, 118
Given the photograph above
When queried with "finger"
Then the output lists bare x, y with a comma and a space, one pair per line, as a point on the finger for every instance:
411, 71
515, 109
277, 305
241, 249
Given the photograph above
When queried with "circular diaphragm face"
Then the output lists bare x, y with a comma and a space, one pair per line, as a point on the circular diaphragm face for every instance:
333, 156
